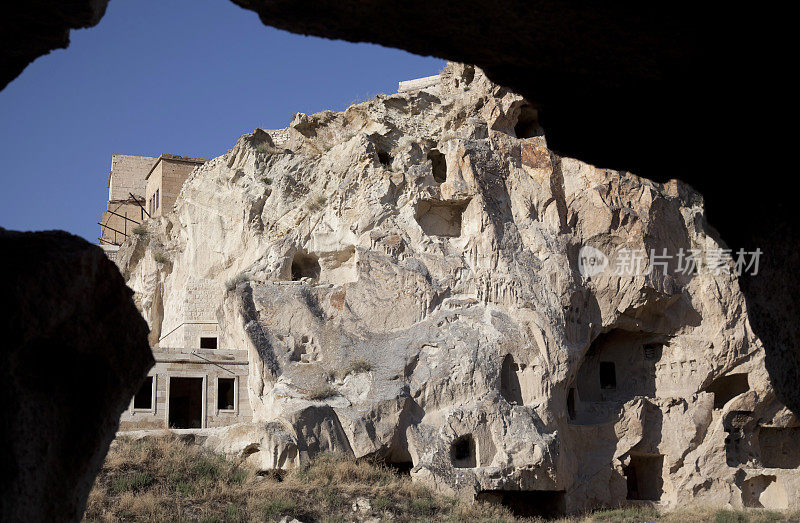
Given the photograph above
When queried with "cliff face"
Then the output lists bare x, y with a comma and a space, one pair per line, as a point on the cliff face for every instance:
412, 280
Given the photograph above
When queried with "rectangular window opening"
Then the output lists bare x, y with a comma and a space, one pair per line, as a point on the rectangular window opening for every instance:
208, 342
608, 375
144, 397
226, 393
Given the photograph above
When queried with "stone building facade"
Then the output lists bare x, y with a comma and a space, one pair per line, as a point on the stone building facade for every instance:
126, 191
191, 388
195, 383
165, 179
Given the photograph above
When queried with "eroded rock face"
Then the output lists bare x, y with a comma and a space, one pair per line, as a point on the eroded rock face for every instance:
74, 352
675, 93
409, 287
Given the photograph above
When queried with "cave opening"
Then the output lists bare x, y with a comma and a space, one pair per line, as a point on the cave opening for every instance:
653, 351
527, 503
403, 468
644, 477
462, 452
384, 157
305, 266
510, 387
725, 388
779, 447
738, 423
440, 218
438, 165
527, 125
618, 366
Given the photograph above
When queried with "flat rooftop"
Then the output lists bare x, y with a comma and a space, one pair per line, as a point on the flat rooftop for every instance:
176, 158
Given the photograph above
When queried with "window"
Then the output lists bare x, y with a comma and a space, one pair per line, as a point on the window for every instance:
305, 266
608, 375
144, 397
208, 342
652, 351
438, 165
156, 199
226, 393
510, 387
462, 452
644, 476
571, 403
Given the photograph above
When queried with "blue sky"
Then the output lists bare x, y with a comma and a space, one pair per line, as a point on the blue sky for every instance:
171, 76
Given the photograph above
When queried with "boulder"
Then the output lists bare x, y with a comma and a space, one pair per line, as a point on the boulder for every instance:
75, 351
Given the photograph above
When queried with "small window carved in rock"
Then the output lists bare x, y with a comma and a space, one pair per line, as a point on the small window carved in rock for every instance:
608, 375
384, 157
571, 403
652, 351
462, 452
527, 125
439, 165
440, 218
305, 266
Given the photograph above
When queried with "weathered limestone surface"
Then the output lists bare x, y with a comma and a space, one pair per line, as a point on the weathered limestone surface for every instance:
690, 92
74, 352
411, 291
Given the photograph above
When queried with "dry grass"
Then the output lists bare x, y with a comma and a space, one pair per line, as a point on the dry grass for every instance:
359, 366
354, 367
158, 479
322, 392
160, 257
236, 280
316, 203
164, 479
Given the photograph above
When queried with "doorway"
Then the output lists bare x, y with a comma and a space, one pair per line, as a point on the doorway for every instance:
185, 403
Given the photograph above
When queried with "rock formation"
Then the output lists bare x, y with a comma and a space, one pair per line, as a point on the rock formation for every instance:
688, 92
406, 277
75, 350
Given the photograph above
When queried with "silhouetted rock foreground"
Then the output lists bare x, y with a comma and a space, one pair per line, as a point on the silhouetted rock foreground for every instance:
74, 352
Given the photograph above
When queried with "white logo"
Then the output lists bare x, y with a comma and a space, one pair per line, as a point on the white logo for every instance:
591, 261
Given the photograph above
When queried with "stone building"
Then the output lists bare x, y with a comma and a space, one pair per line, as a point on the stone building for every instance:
196, 383
124, 209
191, 388
165, 179
139, 187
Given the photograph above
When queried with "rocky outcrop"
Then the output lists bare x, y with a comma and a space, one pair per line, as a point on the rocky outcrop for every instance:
667, 93
410, 279
75, 350
31, 29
